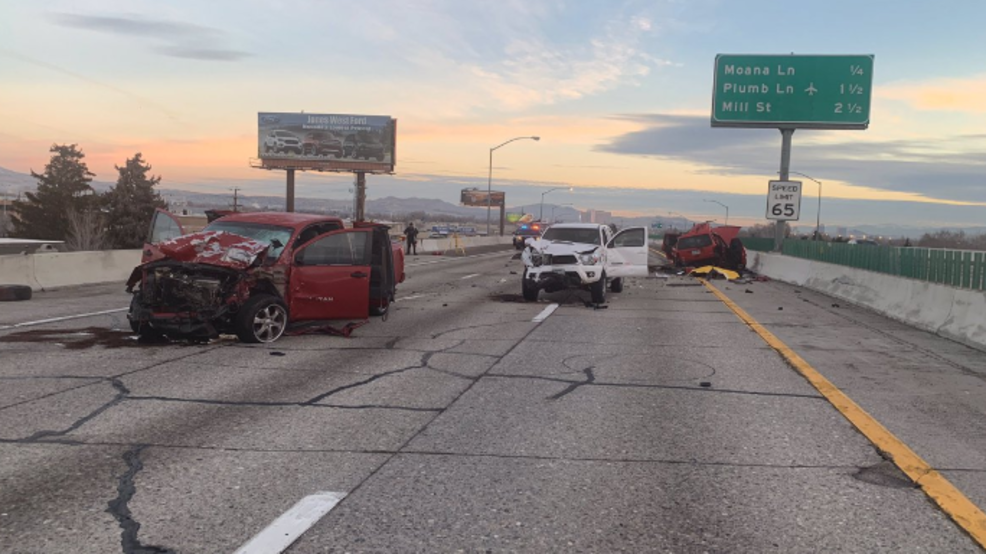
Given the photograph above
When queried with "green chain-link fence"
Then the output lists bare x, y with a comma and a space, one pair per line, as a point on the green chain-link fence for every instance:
956, 268
760, 244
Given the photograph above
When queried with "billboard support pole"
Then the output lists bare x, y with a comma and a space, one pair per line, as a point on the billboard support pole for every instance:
780, 224
489, 194
360, 196
289, 196
503, 214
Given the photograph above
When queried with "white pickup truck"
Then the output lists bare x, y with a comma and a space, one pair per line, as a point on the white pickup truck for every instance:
583, 255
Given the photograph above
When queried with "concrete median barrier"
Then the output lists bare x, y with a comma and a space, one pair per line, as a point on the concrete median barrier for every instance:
448, 245
957, 314
65, 269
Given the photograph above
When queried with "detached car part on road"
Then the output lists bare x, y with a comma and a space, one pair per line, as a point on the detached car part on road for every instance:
583, 256
255, 274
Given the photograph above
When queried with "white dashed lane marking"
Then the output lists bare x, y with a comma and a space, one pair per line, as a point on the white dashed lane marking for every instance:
286, 529
545, 313
64, 318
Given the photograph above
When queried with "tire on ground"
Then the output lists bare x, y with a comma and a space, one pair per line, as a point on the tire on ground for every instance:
598, 290
530, 291
261, 307
616, 285
13, 293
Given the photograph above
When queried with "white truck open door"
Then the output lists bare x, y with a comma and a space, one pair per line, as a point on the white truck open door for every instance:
627, 253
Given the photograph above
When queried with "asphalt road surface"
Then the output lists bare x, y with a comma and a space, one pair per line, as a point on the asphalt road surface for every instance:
472, 421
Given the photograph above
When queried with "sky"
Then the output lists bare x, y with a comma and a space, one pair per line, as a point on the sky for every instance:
619, 92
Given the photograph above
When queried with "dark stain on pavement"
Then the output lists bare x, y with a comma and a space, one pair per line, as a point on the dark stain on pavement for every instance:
80, 339
884, 474
509, 298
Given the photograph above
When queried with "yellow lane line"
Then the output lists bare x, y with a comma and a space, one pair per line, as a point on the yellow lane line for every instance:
966, 514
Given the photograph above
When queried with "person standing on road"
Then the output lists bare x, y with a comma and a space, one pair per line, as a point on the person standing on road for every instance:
411, 235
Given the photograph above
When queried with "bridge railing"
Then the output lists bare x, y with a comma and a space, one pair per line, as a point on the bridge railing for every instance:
964, 269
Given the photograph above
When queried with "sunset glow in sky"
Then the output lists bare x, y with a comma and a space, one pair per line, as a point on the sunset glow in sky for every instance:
620, 93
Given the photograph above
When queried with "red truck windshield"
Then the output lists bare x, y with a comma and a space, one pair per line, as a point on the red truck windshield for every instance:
258, 232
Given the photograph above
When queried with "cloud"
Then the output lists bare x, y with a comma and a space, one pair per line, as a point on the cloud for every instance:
182, 40
949, 169
207, 54
535, 71
642, 23
961, 95
146, 102
479, 57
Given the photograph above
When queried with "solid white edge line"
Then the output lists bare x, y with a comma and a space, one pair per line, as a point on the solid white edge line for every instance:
57, 319
290, 525
470, 276
545, 313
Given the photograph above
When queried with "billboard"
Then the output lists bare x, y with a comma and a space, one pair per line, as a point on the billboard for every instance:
327, 142
477, 197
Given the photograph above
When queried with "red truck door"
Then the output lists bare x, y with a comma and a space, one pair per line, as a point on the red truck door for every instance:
330, 277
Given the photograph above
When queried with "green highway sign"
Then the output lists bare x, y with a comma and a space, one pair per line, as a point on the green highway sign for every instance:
792, 91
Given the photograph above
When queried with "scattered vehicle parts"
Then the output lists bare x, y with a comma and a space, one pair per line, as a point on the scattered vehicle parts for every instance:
712, 271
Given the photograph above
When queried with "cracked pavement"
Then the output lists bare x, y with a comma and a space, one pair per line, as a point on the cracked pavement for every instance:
459, 424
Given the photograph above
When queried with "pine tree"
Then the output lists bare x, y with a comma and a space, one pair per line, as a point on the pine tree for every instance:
130, 204
63, 186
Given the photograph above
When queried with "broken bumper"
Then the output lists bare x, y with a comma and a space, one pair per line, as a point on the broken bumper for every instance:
564, 276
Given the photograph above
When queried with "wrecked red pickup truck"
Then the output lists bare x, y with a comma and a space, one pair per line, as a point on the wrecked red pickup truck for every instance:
704, 244
254, 274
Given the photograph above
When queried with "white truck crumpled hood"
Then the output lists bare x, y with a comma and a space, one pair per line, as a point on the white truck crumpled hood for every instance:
556, 249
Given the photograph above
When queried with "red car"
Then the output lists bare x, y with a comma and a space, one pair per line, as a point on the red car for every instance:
254, 274
704, 244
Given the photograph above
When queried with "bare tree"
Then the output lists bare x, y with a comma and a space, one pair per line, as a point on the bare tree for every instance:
86, 231
5, 225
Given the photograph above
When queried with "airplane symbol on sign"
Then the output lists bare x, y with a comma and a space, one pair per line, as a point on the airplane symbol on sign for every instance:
811, 90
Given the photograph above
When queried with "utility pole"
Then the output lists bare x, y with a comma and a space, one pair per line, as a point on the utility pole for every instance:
236, 203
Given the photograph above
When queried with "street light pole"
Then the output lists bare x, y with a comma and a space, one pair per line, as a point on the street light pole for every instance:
721, 204
541, 211
489, 180
818, 212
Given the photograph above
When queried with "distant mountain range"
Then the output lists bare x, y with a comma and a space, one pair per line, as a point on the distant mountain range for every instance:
13, 183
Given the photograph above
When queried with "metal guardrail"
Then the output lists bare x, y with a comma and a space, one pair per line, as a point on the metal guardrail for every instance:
955, 268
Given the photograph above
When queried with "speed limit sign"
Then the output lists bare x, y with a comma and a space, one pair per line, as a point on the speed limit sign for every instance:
784, 200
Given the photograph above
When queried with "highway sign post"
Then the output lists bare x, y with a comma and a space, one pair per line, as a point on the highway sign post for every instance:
784, 200
789, 92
